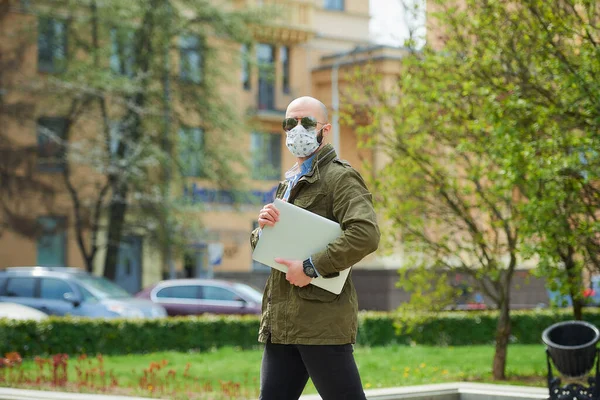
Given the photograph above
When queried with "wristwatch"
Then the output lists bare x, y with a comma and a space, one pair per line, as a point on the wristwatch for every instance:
309, 269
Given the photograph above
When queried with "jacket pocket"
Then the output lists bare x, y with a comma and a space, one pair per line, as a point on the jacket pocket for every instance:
311, 200
315, 293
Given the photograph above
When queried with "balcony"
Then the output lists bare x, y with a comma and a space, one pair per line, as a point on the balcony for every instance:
292, 23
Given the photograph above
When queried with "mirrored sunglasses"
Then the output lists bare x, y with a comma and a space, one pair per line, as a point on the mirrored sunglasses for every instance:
306, 122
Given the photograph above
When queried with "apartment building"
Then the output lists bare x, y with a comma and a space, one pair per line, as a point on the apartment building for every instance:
308, 47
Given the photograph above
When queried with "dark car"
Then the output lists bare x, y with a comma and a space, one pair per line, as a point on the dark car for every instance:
71, 291
204, 296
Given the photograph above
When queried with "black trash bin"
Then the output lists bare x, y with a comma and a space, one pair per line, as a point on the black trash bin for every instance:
572, 347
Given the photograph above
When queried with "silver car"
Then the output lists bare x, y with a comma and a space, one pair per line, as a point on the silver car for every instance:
21, 312
72, 291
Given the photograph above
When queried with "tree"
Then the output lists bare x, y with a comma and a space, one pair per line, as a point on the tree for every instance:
135, 76
541, 73
448, 202
492, 147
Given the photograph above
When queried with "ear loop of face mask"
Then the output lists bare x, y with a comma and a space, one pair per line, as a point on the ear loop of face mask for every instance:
320, 136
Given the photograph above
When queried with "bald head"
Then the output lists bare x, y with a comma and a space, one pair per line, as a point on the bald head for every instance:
307, 106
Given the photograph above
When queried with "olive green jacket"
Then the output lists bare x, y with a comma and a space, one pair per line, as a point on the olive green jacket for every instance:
311, 315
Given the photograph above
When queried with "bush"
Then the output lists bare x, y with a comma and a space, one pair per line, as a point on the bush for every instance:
460, 328
122, 336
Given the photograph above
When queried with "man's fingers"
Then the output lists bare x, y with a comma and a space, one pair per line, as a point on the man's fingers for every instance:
268, 215
270, 206
282, 261
264, 221
271, 213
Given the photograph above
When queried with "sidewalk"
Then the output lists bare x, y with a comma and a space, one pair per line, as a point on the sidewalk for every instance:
441, 391
22, 394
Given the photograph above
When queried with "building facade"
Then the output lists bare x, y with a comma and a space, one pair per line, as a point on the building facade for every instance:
308, 50
302, 52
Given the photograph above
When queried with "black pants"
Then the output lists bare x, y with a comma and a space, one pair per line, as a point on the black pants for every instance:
285, 370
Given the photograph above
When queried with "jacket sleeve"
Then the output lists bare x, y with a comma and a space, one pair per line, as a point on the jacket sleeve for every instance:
353, 209
254, 238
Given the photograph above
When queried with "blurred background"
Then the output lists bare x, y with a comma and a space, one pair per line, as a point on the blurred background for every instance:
139, 140
138, 143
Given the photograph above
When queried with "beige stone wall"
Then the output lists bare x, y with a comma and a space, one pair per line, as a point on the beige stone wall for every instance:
328, 32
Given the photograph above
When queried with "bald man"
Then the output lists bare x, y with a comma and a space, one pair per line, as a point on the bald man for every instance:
308, 331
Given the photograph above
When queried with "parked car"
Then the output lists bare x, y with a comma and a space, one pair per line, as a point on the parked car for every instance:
200, 296
71, 291
19, 311
468, 299
590, 295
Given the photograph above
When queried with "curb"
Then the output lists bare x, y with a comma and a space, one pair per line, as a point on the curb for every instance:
441, 391
24, 394
454, 391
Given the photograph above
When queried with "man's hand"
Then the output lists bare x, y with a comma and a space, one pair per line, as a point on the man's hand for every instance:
268, 216
295, 274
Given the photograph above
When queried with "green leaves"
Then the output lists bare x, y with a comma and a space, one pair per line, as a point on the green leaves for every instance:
492, 140
492, 145
130, 83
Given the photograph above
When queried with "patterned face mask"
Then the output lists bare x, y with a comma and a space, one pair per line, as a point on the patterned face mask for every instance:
302, 142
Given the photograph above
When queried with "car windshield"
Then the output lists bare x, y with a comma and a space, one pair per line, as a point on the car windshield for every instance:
249, 292
102, 287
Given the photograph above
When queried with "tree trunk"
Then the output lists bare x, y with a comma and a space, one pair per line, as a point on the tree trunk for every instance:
116, 216
133, 132
502, 337
574, 279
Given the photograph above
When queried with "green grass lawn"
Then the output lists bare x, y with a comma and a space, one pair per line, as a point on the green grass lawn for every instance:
232, 373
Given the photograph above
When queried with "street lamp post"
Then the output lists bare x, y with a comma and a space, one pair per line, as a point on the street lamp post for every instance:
335, 124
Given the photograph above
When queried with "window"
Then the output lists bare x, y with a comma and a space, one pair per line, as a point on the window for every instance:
246, 78
87, 295
249, 292
21, 287
54, 289
52, 44
191, 151
217, 293
51, 242
337, 5
190, 59
101, 287
51, 136
122, 56
179, 292
266, 155
266, 89
284, 55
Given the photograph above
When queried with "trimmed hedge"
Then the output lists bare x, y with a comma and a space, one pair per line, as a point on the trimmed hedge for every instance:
461, 328
124, 336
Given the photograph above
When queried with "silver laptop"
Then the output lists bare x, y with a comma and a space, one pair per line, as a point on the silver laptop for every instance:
296, 236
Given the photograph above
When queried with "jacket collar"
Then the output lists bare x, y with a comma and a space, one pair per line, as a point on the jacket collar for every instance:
325, 155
